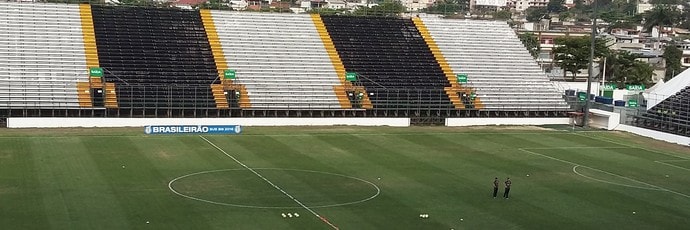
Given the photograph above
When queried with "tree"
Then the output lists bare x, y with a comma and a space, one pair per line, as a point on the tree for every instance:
388, 8
502, 15
556, 6
661, 15
448, 7
665, 2
672, 56
214, 4
623, 67
572, 53
530, 41
536, 14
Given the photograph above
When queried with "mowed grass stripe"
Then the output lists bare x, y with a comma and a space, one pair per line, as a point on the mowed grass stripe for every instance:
75, 193
408, 178
547, 180
494, 155
631, 199
268, 152
19, 185
318, 154
140, 187
627, 163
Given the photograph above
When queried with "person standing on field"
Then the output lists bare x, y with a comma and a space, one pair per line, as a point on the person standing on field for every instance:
495, 186
507, 190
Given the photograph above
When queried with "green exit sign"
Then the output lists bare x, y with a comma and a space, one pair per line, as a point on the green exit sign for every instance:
350, 76
632, 103
635, 87
229, 74
96, 72
462, 78
610, 87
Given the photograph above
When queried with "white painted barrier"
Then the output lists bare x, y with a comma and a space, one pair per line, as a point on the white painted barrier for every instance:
604, 119
682, 140
66, 122
478, 121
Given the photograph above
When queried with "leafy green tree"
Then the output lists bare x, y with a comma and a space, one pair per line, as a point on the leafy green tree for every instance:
661, 15
448, 7
572, 53
388, 8
502, 15
531, 42
672, 56
665, 2
556, 6
623, 67
214, 4
535, 14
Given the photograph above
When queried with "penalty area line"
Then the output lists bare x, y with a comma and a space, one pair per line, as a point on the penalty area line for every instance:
272, 184
599, 170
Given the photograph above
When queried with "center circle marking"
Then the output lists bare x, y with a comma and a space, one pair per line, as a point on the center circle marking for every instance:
170, 186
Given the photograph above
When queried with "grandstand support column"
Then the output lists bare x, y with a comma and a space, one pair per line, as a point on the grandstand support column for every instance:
590, 75
455, 86
345, 86
220, 89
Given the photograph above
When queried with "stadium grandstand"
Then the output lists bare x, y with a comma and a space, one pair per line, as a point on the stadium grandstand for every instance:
668, 107
114, 61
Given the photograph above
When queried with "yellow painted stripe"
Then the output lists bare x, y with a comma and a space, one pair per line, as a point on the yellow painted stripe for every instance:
341, 90
90, 53
110, 96
214, 41
447, 71
84, 94
221, 65
89, 35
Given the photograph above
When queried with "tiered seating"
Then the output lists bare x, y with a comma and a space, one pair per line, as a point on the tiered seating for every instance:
401, 70
498, 66
158, 58
279, 58
671, 115
41, 55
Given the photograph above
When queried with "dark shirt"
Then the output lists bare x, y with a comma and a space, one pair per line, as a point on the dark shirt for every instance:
496, 183
508, 183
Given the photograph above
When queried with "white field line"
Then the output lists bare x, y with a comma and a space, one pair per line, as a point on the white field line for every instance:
609, 182
170, 187
271, 183
672, 165
610, 173
637, 147
582, 147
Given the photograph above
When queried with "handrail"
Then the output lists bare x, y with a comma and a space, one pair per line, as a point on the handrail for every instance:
365, 77
114, 75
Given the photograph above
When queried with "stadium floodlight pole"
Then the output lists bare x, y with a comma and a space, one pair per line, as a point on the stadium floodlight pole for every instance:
585, 122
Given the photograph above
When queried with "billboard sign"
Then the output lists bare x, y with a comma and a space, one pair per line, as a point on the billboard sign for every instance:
192, 129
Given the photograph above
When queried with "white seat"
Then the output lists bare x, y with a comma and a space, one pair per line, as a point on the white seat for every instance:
41, 55
280, 59
498, 66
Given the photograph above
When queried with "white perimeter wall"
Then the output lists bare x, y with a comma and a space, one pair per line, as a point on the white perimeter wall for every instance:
61, 122
506, 121
655, 134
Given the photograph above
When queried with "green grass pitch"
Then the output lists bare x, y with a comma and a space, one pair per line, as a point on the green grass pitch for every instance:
353, 177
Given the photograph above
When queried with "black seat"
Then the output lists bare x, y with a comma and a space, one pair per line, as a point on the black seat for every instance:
158, 58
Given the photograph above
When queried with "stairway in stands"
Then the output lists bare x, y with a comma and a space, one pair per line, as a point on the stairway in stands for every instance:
393, 61
156, 57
